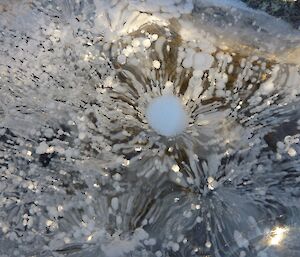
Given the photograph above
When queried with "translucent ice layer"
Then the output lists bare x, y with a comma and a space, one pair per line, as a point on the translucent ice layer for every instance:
87, 169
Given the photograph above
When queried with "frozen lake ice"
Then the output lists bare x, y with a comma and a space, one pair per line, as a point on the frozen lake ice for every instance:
148, 128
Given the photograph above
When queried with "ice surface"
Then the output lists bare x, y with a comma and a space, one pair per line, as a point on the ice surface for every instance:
84, 167
166, 115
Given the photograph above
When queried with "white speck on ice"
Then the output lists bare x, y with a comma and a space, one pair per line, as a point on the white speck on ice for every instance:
208, 244
154, 37
240, 240
147, 43
121, 59
81, 136
158, 254
115, 203
188, 60
292, 152
203, 61
175, 247
135, 43
42, 148
156, 64
175, 168
269, 86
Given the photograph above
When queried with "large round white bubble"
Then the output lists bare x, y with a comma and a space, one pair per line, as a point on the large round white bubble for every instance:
166, 115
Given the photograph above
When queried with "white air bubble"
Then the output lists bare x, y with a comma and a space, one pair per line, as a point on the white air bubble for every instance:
166, 115
156, 64
121, 59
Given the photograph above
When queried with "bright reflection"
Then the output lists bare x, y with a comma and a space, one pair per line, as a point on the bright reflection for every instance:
277, 235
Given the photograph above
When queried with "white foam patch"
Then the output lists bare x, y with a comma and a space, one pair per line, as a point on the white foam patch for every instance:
166, 115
